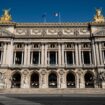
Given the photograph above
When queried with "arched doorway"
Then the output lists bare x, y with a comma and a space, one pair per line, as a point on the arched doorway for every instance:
34, 80
70, 80
16, 80
89, 80
52, 80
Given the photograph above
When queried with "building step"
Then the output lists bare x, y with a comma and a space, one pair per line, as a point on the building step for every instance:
53, 91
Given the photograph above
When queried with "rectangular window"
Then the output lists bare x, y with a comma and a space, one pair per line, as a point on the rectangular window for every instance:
53, 57
69, 57
35, 58
86, 57
18, 57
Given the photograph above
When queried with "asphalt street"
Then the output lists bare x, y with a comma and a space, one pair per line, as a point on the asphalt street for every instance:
24, 99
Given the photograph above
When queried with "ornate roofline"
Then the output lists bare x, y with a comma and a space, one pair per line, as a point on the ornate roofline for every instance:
63, 24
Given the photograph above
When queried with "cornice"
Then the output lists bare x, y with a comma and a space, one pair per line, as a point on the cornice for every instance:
46, 25
7, 23
97, 23
50, 24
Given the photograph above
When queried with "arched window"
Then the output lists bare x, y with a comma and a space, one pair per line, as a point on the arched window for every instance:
16, 80
34, 80
70, 80
89, 80
52, 80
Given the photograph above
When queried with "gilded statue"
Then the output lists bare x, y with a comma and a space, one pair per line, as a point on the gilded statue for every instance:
99, 17
6, 17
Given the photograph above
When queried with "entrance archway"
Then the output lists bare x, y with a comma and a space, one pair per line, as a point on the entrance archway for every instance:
70, 78
89, 80
16, 80
34, 80
52, 80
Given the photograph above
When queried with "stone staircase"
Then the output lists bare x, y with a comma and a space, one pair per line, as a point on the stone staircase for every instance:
53, 91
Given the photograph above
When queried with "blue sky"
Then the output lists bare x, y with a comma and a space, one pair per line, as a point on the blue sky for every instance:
70, 10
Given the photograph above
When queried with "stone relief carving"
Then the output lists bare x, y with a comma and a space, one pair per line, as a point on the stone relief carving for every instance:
25, 73
52, 31
100, 32
102, 76
68, 31
76, 32
61, 72
36, 31
21, 31
84, 30
1, 78
43, 72
5, 33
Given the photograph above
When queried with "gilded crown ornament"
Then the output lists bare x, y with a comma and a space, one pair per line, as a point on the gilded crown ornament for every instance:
98, 16
6, 17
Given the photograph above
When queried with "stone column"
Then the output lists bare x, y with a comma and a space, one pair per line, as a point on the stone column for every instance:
97, 54
100, 52
62, 53
10, 54
46, 57
93, 53
73, 54
28, 54
42, 55
90, 57
79, 53
76, 54
25, 55
59, 55
57, 61
4, 54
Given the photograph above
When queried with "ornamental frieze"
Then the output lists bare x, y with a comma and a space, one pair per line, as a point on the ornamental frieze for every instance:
36, 31
100, 33
21, 31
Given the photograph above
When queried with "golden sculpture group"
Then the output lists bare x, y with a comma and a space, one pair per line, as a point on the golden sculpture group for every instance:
99, 17
6, 17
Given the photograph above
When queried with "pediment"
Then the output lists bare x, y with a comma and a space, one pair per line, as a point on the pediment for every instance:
100, 33
4, 32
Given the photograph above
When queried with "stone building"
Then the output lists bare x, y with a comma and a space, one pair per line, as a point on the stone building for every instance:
52, 55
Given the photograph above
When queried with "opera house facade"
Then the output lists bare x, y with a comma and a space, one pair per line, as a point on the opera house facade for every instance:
52, 55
